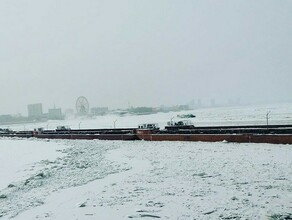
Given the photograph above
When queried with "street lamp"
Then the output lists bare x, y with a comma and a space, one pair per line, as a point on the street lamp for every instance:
115, 123
267, 117
79, 124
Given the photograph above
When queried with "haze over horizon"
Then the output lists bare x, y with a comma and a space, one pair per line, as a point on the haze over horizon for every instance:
147, 53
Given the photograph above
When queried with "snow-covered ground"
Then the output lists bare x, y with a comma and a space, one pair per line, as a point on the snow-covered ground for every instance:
18, 157
93, 179
167, 180
243, 115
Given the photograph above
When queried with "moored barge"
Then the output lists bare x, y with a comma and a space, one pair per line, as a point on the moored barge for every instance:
174, 131
274, 134
86, 134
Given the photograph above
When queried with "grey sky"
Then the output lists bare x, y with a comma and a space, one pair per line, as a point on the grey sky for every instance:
146, 52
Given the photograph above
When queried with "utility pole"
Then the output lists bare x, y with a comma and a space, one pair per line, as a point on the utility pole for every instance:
115, 123
267, 117
79, 125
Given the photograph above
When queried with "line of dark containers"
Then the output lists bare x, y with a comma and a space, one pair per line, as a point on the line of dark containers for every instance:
275, 134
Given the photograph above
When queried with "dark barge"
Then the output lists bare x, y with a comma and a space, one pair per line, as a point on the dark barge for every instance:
275, 134
86, 134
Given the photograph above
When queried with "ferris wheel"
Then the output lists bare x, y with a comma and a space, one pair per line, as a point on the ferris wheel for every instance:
82, 106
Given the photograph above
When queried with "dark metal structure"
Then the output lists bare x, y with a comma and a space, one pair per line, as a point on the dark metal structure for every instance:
275, 134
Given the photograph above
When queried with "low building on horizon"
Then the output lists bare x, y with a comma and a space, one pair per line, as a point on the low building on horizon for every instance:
12, 119
99, 110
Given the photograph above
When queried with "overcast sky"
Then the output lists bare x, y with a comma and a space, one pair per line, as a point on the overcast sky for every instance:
143, 52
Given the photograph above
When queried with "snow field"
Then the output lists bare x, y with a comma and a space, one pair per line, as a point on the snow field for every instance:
69, 179
18, 157
82, 162
149, 180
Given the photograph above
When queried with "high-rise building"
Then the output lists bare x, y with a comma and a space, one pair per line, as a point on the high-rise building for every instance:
35, 110
55, 113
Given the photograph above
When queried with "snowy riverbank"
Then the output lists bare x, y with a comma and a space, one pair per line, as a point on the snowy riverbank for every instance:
167, 180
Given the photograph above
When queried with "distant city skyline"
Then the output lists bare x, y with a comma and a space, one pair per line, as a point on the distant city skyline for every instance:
196, 103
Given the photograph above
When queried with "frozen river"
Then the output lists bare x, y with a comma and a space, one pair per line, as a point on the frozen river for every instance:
67, 179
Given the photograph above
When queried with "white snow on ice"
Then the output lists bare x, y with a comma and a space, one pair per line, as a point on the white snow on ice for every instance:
93, 179
18, 157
